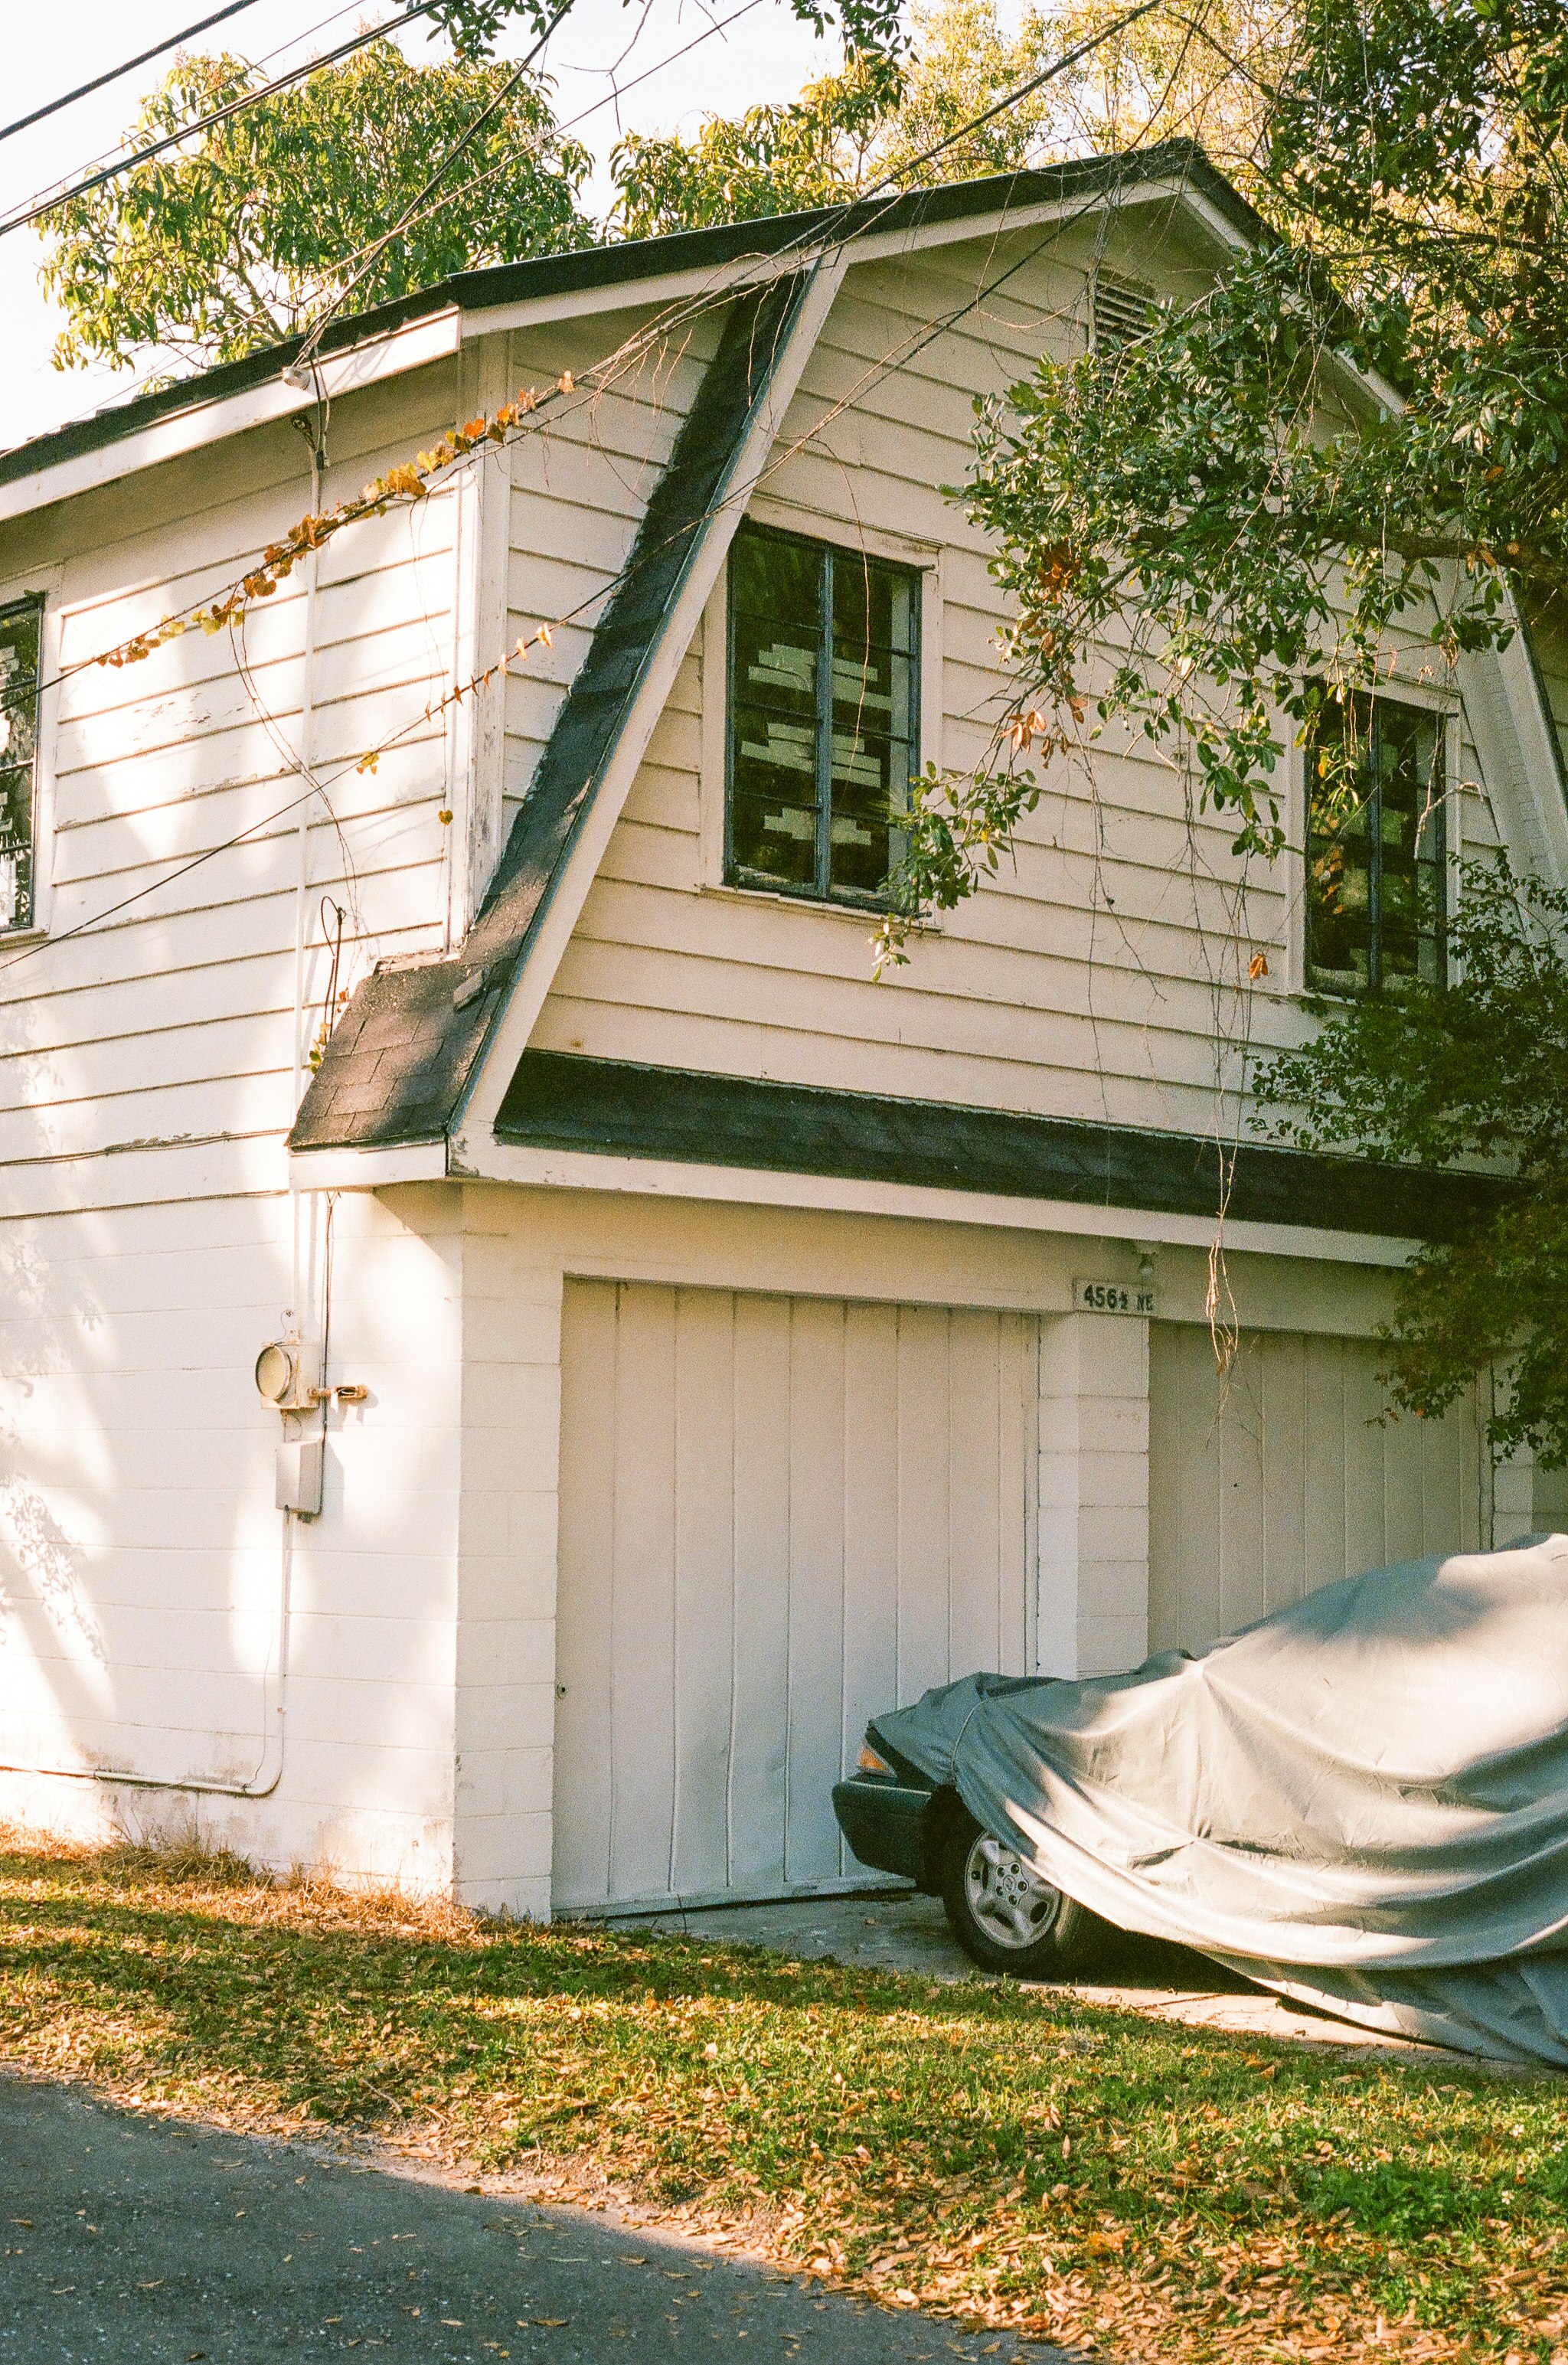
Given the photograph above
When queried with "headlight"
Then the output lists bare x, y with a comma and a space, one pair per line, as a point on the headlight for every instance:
869, 1762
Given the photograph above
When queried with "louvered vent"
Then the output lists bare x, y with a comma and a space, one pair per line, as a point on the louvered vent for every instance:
1121, 310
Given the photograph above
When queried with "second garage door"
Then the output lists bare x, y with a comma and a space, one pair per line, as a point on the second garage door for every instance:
779, 1516
1280, 1473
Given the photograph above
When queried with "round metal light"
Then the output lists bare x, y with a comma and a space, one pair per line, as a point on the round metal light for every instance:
274, 1373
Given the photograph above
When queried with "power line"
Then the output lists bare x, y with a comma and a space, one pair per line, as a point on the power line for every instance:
612, 97
85, 89
303, 359
219, 114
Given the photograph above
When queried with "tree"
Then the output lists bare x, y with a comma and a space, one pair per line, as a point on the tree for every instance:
1479, 1071
473, 26
819, 149
1358, 439
848, 131
885, 112
260, 226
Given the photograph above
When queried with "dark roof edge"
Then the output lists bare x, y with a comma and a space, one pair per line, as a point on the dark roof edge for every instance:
585, 269
560, 1101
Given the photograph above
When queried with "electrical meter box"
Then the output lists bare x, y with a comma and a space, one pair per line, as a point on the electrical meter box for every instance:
299, 1474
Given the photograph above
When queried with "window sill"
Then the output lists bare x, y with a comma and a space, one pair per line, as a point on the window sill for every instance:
861, 913
11, 936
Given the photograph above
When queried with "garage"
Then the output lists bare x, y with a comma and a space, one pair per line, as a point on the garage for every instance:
1279, 1474
778, 1516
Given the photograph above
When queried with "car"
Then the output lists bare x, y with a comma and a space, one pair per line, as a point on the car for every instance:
1360, 1802
1002, 1914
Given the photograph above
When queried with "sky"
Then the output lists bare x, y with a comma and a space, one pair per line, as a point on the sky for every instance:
767, 55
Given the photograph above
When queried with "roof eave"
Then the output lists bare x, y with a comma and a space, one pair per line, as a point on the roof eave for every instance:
428, 325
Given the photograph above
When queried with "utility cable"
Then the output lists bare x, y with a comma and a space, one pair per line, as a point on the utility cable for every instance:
835, 225
568, 123
306, 355
143, 57
362, 40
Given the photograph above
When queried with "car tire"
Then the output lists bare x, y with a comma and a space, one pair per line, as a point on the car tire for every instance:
1004, 1916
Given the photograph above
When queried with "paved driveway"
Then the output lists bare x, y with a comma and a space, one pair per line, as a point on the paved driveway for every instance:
126, 2239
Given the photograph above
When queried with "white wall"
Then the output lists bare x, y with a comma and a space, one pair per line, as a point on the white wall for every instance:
144, 1572
147, 1075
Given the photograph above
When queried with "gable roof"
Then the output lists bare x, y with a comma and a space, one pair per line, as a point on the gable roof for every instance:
118, 434
397, 1066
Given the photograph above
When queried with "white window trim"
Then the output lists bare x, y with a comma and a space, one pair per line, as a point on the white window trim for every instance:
41, 583
902, 550
1445, 705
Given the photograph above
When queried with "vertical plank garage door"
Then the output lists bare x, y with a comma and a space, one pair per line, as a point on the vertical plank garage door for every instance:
1279, 1478
778, 1516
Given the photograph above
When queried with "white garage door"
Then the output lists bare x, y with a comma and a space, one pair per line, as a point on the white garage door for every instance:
778, 1516
1279, 1478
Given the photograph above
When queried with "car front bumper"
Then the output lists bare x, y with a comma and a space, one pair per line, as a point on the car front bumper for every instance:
889, 1825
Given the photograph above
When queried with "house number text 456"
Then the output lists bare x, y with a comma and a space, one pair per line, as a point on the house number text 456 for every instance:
1113, 1297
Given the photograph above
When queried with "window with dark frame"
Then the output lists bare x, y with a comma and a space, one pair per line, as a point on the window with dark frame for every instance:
1376, 848
19, 636
823, 721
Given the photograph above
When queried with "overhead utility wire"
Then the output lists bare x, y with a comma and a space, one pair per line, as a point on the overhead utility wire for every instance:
303, 359
94, 920
570, 123
821, 234
219, 114
85, 89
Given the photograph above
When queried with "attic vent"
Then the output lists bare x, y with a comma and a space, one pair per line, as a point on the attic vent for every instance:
1121, 311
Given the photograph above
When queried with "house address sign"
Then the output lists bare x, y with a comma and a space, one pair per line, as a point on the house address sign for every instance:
1113, 1297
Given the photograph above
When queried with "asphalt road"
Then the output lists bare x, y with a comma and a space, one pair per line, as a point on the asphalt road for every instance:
130, 2238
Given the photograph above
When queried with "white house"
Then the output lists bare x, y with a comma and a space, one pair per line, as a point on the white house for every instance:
714, 1340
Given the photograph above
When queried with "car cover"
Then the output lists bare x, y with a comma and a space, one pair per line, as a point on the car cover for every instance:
1362, 1801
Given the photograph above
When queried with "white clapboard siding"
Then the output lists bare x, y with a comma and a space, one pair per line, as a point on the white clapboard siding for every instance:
1281, 1475
1103, 971
778, 1516
170, 1023
577, 495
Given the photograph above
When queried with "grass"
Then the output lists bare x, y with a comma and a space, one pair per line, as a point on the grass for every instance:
1025, 2161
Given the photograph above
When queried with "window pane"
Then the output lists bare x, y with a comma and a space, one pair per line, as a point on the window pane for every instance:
873, 604
870, 783
1410, 844
874, 689
19, 742
776, 667
1338, 849
772, 577
772, 789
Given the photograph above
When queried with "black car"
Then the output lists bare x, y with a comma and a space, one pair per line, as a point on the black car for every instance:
1002, 1914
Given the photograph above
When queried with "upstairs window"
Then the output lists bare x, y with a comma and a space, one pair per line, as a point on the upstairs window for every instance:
823, 742
19, 758
1376, 848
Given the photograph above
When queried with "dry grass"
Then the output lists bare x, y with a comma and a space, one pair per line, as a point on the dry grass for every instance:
1023, 2160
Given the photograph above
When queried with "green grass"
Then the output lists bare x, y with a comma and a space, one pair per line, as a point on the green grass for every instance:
1019, 2159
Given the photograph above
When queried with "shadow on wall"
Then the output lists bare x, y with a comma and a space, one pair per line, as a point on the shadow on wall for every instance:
138, 1586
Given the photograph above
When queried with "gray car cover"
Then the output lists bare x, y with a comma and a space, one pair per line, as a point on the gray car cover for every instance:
1361, 1801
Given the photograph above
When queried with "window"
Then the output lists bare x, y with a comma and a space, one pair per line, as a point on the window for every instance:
1376, 849
18, 750
825, 670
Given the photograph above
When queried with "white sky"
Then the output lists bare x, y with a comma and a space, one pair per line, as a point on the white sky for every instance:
767, 55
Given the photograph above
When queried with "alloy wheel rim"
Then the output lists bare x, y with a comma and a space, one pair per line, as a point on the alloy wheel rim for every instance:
1007, 1898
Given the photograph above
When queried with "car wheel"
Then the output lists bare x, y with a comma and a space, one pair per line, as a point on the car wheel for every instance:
1004, 1916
